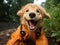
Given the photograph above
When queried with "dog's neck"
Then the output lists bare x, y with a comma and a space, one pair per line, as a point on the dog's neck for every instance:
37, 32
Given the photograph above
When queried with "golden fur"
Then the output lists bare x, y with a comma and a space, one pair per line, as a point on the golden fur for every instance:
24, 16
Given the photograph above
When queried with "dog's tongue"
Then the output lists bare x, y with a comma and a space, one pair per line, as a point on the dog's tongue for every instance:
31, 24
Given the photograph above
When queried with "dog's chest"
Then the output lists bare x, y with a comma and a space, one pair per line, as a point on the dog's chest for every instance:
32, 38
29, 42
35, 35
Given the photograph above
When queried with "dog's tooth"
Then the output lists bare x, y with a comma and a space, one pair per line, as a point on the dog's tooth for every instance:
32, 27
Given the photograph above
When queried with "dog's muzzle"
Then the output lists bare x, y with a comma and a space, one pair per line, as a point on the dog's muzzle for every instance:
32, 24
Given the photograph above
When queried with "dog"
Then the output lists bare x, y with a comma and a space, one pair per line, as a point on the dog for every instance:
30, 32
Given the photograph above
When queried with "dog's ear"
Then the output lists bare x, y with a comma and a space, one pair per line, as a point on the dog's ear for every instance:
20, 12
44, 13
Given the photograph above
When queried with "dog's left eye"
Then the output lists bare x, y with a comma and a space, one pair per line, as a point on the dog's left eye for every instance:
27, 10
37, 11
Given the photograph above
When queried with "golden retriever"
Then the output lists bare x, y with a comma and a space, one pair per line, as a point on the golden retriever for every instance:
31, 17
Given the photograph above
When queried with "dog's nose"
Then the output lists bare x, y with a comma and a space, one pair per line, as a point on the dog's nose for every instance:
32, 15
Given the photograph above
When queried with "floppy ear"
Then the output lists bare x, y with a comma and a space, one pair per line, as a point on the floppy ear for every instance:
20, 13
44, 13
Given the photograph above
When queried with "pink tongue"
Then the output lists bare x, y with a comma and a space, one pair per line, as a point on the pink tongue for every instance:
31, 24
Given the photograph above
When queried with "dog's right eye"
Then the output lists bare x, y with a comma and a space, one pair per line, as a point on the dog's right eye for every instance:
37, 11
27, 10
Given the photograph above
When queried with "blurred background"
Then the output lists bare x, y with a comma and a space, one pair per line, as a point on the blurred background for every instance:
9, 20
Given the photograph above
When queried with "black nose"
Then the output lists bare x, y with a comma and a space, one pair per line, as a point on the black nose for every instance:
32, 15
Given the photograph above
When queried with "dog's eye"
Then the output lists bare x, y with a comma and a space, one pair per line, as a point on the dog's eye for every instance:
27, 10
37, 11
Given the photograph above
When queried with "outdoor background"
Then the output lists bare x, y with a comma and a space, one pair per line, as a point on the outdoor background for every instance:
9, 20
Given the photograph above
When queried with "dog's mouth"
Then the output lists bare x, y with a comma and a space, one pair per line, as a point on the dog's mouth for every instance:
32, 24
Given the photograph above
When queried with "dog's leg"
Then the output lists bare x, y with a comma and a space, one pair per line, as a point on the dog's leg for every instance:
42, 40
15, 38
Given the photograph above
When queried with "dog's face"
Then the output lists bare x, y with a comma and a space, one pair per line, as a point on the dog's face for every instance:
32, 15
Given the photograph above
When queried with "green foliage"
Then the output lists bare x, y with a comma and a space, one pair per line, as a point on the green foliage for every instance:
8, 10
52, 26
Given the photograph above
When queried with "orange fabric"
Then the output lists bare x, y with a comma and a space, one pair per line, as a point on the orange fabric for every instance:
17, 40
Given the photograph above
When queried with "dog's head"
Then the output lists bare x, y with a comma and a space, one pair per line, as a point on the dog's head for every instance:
32, 15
